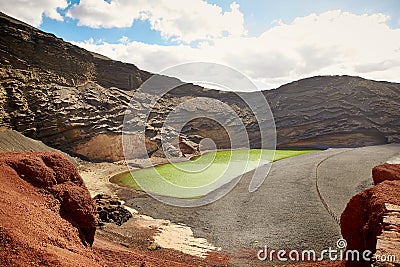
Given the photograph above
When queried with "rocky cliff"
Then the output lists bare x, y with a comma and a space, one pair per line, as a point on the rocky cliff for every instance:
75, 101
56, 92
336, 111
371, 220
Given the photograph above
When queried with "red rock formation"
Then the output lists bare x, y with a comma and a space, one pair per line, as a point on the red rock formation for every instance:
46, 212
59, 177
32, 232
362, 220
386, 172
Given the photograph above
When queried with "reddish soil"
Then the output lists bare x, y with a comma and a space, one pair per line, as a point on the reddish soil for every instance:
45, 210
56, 177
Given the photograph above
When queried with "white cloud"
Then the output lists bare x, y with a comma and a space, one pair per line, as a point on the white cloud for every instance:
102, 14
196, 20
32, 12
124, 40
192, 21
330, 43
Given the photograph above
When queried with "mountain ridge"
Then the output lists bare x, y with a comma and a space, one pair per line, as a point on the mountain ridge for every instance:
75, 100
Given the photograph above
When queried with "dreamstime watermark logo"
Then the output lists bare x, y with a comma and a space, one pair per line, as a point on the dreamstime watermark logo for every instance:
339, 253
164, 111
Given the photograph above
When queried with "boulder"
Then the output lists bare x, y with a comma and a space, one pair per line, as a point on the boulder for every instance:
386, 172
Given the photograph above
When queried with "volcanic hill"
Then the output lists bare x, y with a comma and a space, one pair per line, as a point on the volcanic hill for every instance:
75, 101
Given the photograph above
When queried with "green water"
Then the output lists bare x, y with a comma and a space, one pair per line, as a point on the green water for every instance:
198, 177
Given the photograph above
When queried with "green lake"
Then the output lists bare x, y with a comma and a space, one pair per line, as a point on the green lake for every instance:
198, 177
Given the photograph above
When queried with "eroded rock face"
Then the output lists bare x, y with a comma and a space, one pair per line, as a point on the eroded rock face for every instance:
59, 93
108, 147
75, 101
336, 111
57, 176
76, 207
388, 242
366, 218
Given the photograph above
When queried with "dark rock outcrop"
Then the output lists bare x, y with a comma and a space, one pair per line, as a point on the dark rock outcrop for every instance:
57, 176
110, 210
365, 224
75, 101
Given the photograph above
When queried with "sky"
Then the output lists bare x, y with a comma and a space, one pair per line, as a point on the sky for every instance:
271, 42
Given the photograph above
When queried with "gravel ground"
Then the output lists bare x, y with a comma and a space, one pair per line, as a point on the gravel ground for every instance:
286, 212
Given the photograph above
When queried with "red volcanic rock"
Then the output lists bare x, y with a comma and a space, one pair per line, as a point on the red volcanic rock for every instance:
32, 232
46, 212
54, 173
361, 221
386, 172
78, 208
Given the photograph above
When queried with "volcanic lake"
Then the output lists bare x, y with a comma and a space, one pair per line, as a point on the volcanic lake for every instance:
201, 175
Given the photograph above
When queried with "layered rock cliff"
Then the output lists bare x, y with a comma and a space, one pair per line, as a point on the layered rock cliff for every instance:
336, 111
56, 92
75, 101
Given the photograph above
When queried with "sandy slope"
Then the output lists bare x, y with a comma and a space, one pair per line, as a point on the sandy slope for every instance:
13, 141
